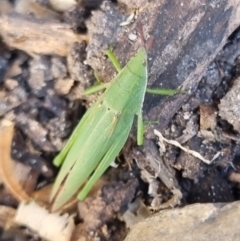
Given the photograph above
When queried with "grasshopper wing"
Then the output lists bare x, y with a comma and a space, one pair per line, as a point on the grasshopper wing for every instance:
102, 132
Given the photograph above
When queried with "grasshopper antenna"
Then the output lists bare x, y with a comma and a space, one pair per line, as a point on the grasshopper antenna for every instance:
147, 43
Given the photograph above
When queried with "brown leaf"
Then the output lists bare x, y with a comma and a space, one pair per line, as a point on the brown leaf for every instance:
6, 162
207, 117
7, 217
27, 7
36, 36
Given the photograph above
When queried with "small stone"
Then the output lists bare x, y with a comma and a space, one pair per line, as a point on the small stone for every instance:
132, 36
194, 222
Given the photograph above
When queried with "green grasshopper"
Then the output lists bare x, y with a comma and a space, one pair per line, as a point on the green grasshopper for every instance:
103, 130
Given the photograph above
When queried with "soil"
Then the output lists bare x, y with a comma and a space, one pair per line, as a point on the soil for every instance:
41, 92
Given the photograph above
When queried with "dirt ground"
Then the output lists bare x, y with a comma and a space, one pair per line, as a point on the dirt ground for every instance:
50, 53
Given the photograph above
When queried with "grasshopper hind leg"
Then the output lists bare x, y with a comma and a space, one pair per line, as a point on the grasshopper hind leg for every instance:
104, 164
